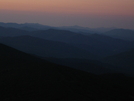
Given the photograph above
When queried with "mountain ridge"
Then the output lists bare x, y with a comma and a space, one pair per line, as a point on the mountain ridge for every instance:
124, 34
45, 48
31, 78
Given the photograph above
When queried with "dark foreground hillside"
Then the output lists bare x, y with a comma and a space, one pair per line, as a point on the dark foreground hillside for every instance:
27, 78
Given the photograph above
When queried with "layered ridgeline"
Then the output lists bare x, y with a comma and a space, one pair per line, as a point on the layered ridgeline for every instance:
36, 26
25, 77
95, 44
60, 53
124, 61
100, 45
46, 48
5, 32
72, 49
26, 26
124, 34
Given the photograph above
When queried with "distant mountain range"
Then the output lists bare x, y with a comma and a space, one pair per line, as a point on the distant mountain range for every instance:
39, 62
5, 32
70, 49
124, 34
86, 30
26, 26
75, 28
46, 48
92, 43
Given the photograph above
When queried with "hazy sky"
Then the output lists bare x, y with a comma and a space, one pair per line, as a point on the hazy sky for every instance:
90, 13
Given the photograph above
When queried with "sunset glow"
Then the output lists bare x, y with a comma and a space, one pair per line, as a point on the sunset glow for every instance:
84, 8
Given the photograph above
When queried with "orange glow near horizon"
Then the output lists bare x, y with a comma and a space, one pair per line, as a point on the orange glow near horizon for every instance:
88, 13
102, 7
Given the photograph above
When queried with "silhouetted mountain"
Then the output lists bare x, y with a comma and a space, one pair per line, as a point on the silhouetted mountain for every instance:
54, 34
91, 66
24, 77
26, 26
92, 43
46, 48
124, 34
4, 32
36, 26
96, 44
103, 45
125, 61
85, 30
102, 29
78, 29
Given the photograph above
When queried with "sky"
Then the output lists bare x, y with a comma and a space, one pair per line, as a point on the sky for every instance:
86, 13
